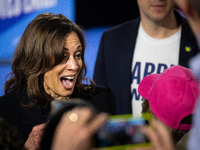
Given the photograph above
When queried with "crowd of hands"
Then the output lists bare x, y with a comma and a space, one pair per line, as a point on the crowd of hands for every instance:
70, 135
76, 135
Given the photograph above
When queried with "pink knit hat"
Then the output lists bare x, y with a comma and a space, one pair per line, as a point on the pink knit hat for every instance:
172, 95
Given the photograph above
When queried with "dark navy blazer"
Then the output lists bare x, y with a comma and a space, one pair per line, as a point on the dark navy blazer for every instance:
114, 59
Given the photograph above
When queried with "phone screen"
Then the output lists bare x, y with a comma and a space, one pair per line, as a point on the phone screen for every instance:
122, 131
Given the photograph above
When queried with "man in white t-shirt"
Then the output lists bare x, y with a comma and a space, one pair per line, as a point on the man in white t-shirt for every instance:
160, 38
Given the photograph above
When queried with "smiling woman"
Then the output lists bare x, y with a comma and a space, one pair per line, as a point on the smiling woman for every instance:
60, 81
48, 64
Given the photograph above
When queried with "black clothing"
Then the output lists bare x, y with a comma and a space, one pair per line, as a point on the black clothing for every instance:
25, 119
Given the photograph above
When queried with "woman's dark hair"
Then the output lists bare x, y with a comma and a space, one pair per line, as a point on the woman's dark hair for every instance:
40, 49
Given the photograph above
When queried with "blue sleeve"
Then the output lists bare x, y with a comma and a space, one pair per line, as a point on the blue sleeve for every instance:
194, 138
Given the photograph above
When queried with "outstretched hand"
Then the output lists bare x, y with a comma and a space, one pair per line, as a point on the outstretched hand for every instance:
76, 129
33, 141
159, 135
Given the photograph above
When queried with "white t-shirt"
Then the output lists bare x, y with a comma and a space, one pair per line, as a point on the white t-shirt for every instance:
151, 56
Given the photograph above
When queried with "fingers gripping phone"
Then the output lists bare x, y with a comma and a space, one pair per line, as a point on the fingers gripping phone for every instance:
121, 132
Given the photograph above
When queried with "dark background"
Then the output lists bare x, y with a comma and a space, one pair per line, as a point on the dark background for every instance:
105, 12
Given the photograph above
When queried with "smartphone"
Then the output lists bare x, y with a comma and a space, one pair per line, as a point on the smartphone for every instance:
69, 104
121, 132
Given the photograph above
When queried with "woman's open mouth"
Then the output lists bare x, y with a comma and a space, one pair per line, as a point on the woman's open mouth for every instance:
67, 82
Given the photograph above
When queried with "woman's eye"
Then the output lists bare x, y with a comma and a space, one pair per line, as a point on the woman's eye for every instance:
65, 57
78, 56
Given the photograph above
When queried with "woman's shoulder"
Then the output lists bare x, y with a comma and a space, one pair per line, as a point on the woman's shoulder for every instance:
14, 96
10, 107
103, 97
102, 90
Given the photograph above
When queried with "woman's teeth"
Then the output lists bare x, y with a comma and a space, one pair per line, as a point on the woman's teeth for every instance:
69, 78
67, 81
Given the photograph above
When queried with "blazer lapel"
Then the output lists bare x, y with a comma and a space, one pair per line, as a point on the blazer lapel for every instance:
125, 65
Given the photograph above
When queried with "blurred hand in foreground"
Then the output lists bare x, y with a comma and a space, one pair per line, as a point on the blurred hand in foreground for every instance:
76, 129
159, 135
